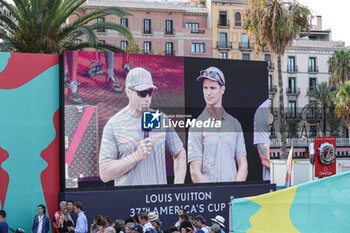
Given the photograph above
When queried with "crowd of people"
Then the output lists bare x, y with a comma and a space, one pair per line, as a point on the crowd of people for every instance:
70, 218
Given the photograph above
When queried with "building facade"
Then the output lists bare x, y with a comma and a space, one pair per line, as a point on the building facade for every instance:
304, 65
159, 27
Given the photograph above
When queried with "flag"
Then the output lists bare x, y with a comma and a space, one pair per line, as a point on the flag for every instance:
287, 183
320, 206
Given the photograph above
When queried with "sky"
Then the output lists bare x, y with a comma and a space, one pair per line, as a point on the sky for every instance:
335, 15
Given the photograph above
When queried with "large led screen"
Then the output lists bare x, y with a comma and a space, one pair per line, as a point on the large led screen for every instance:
134, 119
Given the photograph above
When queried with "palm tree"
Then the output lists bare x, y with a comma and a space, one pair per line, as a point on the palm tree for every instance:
274, 23
322, 105
342, 102
340, 66
39, 26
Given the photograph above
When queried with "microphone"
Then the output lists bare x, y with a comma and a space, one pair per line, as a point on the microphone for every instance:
146, 133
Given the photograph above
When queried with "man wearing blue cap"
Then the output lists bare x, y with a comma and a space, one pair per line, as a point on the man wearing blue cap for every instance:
127, 155
213, 153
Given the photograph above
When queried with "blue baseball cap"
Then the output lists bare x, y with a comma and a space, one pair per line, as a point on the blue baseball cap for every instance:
137, 228
212, 73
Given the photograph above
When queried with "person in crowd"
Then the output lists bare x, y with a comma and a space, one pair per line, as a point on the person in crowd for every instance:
137, 229
4, 227
199, 222
81, 225
153, 218
119, 225
65, 222
110, 230
219, 220
179, 214
58, 215
41, 223
95, 223
186, 227
128, 226
146, 225
102, 226
108, 220
70, 209
136, 219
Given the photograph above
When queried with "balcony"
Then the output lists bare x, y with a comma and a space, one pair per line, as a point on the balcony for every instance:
292, 69
169, 52
246, 46
272, 89
169, 32
223, 23
270, 65
313, 69
293, 115
293, 91
224, 45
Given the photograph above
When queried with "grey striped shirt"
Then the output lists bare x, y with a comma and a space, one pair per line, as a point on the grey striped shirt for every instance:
121, 136
217, 148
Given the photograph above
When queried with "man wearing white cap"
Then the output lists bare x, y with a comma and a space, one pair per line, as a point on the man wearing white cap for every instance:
127, 155
213, 153
218, 221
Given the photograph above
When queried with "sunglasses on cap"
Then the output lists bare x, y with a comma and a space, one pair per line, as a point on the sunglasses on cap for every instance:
144, 93
212, 74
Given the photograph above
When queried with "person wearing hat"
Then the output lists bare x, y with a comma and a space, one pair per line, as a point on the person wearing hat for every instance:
127, 154
218, 221
154, 220
214, 152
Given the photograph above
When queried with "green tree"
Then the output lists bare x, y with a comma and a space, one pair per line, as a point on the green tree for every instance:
340, 67
322, 106
39, 26
274, 23
342, 102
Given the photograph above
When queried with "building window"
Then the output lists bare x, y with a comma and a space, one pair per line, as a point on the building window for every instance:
238, 19
268, 60
101, 20
312, 64
102, 42
169, 27
245, 41
246, 56
76, 41
223, 40
197, 48
169, 49
193, 25
223, 22
147, 26
269, 82
124, 22
291, 85
123, 44
291, 67
292, 109
147, 47
223, 55
312, 84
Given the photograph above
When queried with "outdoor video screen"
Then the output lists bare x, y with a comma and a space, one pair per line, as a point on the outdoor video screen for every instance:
133, 119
